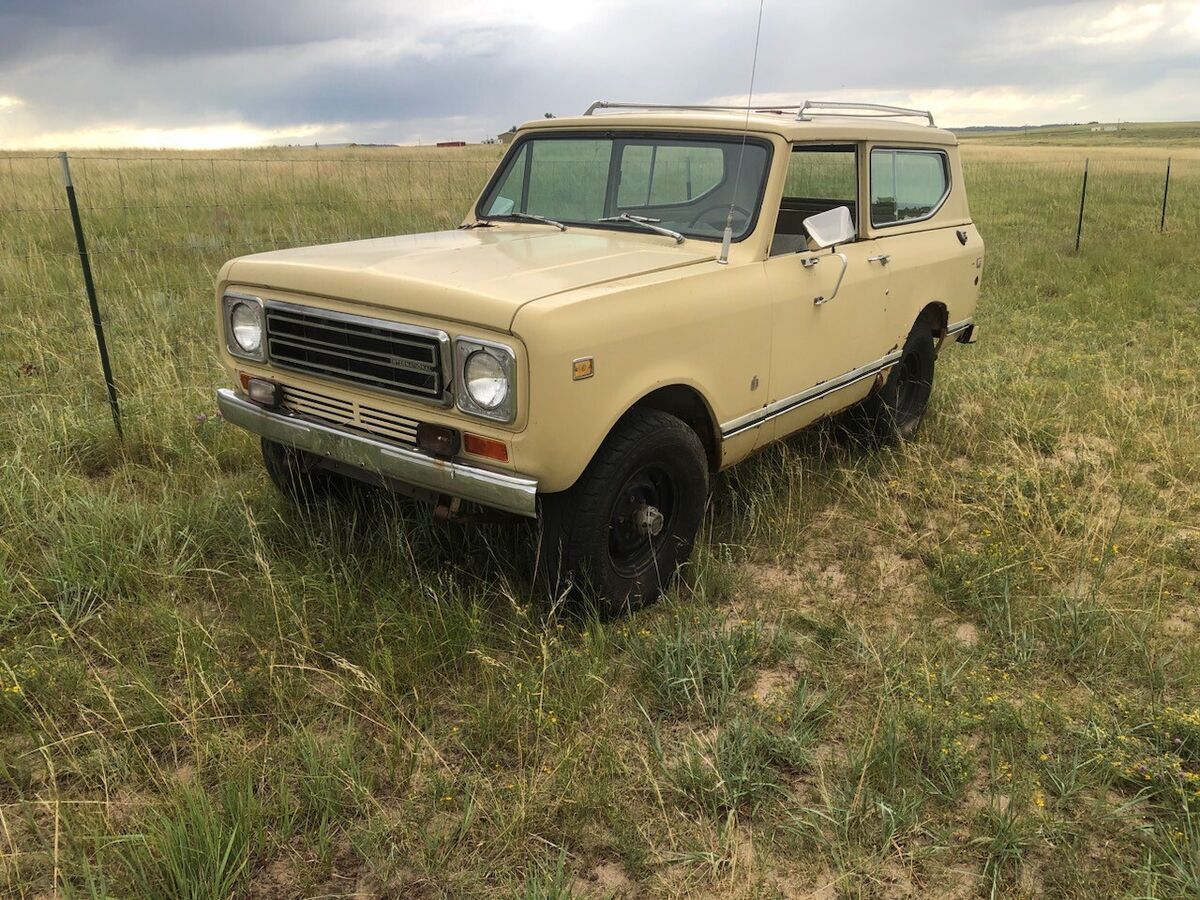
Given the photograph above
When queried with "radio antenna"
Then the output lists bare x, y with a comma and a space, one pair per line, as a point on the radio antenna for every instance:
727, 238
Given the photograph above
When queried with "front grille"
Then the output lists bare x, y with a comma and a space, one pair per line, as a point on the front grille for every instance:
336, 411
370, 352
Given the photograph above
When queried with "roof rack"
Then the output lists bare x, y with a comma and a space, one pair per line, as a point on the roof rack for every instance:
609, 104
804, 110
874, 110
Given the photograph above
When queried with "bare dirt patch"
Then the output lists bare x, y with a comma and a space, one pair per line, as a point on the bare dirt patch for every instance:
607, 880
773, 682
279, 878
1082, 449
967, 634
1179, 625
805, 586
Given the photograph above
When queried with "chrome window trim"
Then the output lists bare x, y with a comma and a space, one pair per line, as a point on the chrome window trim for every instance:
445, 346
506, 412
228, 299
936, 209
816, 392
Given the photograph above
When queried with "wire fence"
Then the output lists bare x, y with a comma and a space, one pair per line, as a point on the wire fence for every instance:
159, 226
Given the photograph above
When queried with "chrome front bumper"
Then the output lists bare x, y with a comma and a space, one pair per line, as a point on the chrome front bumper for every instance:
511, 493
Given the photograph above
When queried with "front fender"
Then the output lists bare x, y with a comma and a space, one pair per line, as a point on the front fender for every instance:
707, 329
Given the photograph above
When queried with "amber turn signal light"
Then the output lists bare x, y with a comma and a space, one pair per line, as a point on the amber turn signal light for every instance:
482, 446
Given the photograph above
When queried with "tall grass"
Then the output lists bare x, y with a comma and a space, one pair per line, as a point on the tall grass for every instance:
968, 665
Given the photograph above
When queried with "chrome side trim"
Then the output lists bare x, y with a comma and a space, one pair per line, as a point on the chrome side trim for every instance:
959, 326
512, 493
824, 389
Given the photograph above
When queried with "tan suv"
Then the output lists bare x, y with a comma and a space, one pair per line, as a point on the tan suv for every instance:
641, 297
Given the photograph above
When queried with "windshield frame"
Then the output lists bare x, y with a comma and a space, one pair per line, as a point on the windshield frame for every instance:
635, 136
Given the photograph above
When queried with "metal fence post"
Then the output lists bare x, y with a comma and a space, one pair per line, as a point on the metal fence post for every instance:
1162, 223
1082, 201
90, 286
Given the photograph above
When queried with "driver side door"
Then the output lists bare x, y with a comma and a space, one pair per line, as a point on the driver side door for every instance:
828, 305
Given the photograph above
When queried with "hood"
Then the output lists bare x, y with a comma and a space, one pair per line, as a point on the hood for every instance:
480, 276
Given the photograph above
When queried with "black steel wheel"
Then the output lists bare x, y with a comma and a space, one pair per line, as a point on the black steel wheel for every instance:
643, 509
894, 412
617, 537
297, 476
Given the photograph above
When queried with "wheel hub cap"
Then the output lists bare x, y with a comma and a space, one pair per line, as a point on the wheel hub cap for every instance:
649, 520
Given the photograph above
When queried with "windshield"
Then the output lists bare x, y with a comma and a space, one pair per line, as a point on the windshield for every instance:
684, 184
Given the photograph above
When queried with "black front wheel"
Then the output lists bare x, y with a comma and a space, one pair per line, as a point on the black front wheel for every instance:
618, 536
298, 476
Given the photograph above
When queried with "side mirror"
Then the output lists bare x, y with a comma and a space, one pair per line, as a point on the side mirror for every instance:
834, 226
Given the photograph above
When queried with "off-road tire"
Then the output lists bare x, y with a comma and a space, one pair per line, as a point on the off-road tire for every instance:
293, 473
590, 549
893, 413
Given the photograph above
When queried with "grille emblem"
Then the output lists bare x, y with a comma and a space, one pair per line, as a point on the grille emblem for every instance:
411, 365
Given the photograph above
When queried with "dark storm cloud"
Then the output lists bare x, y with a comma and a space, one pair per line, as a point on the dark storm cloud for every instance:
372, 70
136, 29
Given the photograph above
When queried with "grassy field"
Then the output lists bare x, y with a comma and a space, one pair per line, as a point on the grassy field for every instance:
964, 667
1127, 136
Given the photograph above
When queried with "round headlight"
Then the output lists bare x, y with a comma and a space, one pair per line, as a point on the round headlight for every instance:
486, 382
246, 325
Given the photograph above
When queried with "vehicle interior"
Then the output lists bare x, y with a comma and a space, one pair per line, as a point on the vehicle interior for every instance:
819, 178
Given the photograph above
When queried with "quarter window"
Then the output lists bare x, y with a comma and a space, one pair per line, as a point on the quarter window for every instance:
907, 185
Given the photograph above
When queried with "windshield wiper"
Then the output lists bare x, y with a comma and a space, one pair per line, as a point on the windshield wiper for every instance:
647, 223
528, 217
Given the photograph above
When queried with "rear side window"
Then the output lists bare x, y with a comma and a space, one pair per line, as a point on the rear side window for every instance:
907, 185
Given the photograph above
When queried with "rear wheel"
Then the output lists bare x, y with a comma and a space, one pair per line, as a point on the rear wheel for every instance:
894, 412
298, 476
617, 537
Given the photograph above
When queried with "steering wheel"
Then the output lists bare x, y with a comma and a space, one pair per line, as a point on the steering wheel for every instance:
723, 210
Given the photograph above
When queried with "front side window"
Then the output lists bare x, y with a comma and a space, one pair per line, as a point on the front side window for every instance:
681, 183
907, 185
820, 177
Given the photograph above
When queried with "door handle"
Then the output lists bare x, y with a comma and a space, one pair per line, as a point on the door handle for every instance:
883, 259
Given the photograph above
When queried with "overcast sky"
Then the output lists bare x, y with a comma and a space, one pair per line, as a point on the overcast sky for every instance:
218, 73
